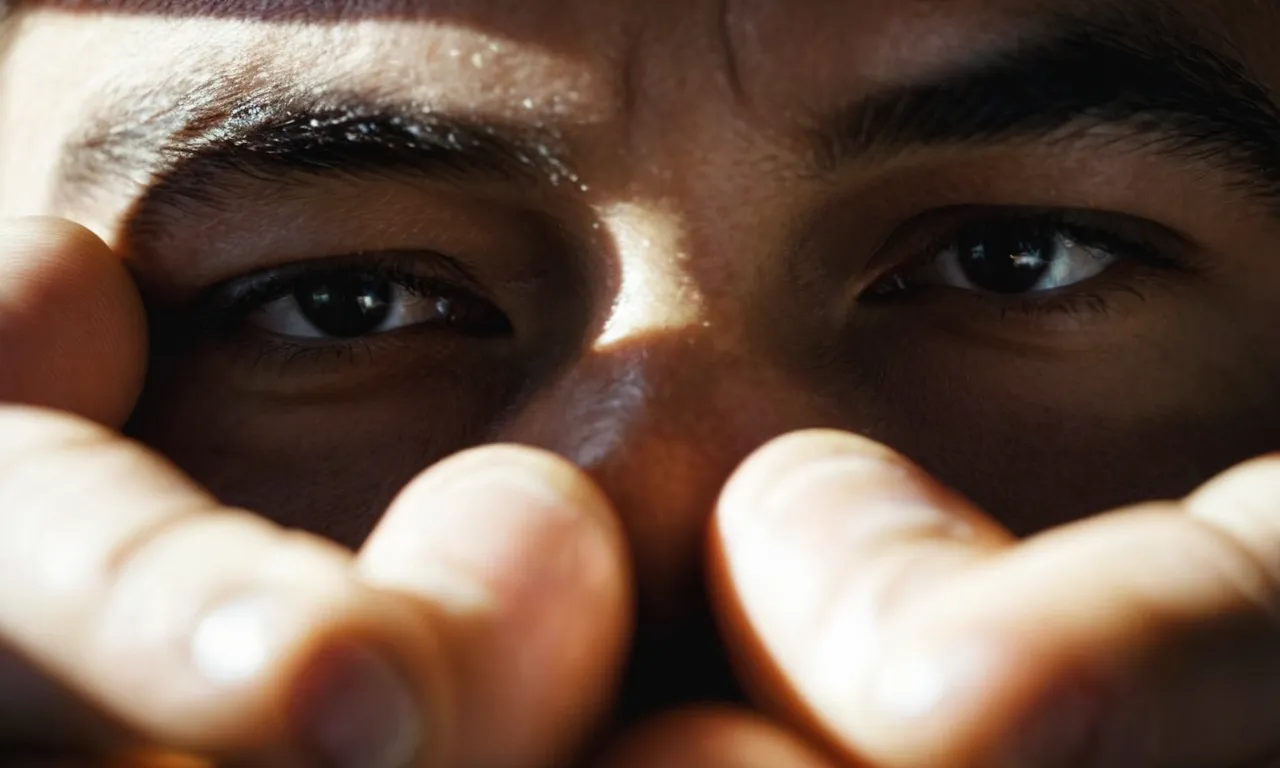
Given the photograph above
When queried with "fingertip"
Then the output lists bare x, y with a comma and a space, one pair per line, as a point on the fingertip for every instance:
541, 473
524, 562
495, 515
72, 325
761, 483
830, 495
824, 542
1253, 484
47, 234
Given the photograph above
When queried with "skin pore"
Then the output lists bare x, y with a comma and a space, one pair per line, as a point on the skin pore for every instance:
651, 236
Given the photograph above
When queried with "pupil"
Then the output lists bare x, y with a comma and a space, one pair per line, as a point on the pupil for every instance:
1008, 260
345, 306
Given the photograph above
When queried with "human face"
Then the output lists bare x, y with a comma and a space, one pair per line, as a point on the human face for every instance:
1029, 243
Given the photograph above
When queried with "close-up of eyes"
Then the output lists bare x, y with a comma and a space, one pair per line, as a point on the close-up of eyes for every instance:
1026, 254
1023, 254
350, 298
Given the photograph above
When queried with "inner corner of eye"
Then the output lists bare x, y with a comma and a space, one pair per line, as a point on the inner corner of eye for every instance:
887, 286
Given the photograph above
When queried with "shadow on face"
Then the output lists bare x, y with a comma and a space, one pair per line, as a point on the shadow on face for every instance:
1027, 244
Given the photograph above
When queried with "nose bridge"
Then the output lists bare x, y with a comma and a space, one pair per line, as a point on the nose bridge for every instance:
674, 390
660, 422
655, 293
669, 388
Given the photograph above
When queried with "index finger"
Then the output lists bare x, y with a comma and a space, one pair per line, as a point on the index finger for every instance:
907, 626
200, 627
818, 541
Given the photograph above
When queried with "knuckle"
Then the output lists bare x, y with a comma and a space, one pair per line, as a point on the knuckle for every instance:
168, 581
1242, 510
1251, 567
63, 524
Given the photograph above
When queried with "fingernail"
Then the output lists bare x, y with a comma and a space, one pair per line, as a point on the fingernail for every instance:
1058, 734
354, 710
234, 642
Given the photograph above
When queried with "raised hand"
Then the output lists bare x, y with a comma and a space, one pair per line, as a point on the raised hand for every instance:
482, 624
881, 611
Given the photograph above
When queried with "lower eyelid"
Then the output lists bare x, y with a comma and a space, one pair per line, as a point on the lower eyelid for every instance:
267, 364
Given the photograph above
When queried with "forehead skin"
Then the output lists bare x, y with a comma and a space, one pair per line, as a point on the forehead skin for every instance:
658, 81
639, 63
642, 88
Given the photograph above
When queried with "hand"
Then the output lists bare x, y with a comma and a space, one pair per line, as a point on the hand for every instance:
870, 605
481, 625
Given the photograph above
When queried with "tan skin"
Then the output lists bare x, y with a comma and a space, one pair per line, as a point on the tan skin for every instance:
682, 286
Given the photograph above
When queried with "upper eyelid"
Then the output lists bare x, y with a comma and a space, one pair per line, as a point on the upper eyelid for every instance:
215, 304
950, 221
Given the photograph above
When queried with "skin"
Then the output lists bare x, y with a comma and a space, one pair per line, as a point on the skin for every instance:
671, 369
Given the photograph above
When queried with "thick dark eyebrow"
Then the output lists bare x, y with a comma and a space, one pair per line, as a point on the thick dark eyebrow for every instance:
190, 152
1143, 72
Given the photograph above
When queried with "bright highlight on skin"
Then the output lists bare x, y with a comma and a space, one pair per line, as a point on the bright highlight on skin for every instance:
232, 645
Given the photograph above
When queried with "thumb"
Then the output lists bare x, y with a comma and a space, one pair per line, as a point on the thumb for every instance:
72, 326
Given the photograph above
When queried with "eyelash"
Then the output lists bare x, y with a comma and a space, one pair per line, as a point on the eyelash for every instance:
223, 311
227, 306
1086, 228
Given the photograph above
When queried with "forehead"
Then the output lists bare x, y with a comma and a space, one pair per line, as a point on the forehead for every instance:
588, 51
674, 76
590, 58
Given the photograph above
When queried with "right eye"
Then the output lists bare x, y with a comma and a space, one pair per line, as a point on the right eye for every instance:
1026, 254
1016, 257
356, 300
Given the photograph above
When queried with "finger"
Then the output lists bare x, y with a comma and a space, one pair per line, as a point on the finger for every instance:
1146, 637
714, 739
815, 539
524, 560
818, 542
1143, 637
203, 629
71, 337
72, 329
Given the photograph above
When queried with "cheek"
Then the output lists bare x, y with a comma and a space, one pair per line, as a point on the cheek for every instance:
1039, 445
1038, 469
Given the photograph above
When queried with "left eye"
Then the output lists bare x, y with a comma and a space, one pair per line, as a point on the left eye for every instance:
1010, 258
353, 303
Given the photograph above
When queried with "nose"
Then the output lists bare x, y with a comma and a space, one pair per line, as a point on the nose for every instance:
660, 422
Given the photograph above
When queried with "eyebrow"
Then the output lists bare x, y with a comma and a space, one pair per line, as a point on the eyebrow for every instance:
179, 152
1143, 72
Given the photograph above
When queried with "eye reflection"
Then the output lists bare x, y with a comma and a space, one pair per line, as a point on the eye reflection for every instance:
319, 301
342, 307
1019, 259
1021, 253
